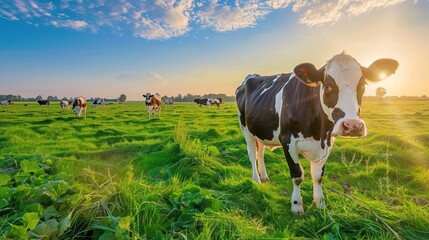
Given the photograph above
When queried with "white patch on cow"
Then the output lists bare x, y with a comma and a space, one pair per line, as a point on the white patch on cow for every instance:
251, 150
346, 72
275, 79
316, 174
309, 147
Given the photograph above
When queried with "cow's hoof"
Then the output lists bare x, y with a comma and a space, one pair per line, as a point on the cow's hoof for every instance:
297, 209
320, 203
256, 179
265, 179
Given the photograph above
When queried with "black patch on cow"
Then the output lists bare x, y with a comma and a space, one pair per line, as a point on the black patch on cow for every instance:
295, 202
360, 90
337, 114
330, 92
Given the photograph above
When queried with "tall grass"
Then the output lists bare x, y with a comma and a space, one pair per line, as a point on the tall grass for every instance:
117, 175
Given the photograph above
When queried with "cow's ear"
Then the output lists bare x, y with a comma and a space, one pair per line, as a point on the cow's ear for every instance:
380, 69
309, 73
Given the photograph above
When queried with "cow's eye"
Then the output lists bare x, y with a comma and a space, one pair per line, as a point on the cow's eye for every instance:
328, 89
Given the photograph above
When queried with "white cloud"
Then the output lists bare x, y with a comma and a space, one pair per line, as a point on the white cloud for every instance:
316, 12
224, 18
165, 19
77, 25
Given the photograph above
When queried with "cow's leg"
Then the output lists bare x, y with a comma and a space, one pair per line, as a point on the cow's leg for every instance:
251, 150
297, 174
317, 170
260, 148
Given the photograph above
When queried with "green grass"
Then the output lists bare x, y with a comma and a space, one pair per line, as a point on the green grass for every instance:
117, 175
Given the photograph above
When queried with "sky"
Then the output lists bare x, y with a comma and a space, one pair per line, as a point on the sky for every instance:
105, 48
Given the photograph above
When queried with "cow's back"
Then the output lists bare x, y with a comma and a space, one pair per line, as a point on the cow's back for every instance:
256, 100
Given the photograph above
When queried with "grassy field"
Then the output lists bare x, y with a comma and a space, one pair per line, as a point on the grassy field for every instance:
117, 175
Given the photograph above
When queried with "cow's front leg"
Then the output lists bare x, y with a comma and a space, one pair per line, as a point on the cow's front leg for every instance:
317, 170
251, 150
297, 174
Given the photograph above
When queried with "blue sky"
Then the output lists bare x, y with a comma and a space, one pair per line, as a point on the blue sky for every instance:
105, 48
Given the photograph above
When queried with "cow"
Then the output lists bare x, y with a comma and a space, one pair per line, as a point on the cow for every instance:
207, 101
99, 102
220, 100
153, 103
79, 106
6, 103
169, 102
302, 112
43, 102
200, 101
65, 105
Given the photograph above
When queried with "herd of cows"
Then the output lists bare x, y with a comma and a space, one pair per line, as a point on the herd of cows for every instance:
301, 112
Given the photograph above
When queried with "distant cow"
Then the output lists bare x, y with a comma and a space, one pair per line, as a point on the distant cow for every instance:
201, 101
169, 102
153, 103
43, 102
207, 101
99, 102
65, 105
6, 103
220, 100
79, 105
302, 112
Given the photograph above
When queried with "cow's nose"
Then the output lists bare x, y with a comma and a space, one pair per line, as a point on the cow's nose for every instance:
353, 128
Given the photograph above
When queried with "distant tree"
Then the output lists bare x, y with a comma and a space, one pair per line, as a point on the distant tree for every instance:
64, 99
39, 98
380, 92
122, 98
52, 98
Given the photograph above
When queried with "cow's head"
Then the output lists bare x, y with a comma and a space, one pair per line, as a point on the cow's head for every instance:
343, 85
147, 97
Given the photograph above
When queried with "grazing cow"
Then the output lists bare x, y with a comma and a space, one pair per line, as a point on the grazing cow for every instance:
43, 102
201, 101
220, 100
302, 112
6, 103
65, 105
169, 102
214, 101
79, 105
153, 103
99, 102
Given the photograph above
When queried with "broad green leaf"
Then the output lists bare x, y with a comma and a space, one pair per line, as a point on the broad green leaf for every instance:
34, 207
4, 179
30, 220
107, 236
65, 224
56, 189
124, 224
50, 212
30, 166
17, 232
5, 192
47, 228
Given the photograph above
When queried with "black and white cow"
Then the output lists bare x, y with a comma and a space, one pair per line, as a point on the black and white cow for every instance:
153, 103
43, 102
79, 106
6, 103
207, 101
65, 105
169, 102
99, 102
302, 112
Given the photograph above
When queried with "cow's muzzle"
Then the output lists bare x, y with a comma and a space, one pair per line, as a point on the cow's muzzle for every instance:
350, 128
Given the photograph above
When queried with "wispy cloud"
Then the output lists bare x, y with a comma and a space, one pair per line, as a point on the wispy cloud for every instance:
165, 19
149, 77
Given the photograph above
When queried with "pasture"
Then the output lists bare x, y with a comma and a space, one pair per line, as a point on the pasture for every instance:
117, 175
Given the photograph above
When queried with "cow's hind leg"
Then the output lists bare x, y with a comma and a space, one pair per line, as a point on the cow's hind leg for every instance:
251, 150
260, 148
317, 170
